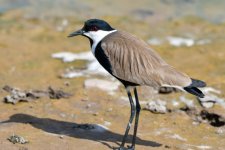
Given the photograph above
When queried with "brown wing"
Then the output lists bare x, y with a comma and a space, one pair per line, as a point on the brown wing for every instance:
132, 60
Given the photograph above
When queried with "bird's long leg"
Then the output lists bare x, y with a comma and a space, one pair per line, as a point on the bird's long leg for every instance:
138, 108
132, 114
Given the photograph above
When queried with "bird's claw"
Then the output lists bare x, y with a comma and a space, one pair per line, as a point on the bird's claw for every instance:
130, 147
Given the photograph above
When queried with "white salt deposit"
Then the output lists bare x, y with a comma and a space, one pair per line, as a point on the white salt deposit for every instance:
73, 74
69, 57
209, 90
160, 131
177, 137
203, 41
157, 106
104, 85
187, 101
63, 25
180, 41
126, 101
202, 147
155, 41
93, 67
211, 97
175, 103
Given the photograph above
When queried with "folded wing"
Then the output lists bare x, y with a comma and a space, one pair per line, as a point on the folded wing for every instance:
134, 61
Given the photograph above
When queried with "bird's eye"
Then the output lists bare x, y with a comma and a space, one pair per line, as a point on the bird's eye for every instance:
94, 28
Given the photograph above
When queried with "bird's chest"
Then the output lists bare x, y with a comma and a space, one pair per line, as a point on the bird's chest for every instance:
106, 63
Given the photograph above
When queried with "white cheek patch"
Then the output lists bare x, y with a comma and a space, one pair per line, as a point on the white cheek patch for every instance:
97, 36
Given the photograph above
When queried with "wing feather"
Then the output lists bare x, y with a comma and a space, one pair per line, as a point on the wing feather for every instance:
134, 61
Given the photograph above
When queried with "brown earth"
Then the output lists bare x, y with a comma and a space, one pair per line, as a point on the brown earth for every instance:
26, 46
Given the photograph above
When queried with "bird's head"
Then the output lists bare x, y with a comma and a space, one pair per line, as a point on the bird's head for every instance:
93, 29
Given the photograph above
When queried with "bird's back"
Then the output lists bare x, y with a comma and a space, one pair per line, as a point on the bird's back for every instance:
132, 60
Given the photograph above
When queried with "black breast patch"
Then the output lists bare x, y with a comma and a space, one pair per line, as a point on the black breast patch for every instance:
102, 58
104, 61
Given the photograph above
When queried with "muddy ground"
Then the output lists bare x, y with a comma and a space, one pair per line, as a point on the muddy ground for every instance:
92, 118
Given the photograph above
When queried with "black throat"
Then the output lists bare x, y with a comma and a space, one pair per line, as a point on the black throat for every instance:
102, 58
104, 61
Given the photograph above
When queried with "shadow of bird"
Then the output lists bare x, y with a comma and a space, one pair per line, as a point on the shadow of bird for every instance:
81, 131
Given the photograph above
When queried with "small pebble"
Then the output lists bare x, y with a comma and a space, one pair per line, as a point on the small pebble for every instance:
95, 114
84, 100
220, 131
195, 123
167, 146
67, 83
61, 136
17, 139
110, 109
88, 105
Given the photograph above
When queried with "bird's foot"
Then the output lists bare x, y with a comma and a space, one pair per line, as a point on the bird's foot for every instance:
119, 148
124, 148
130, 147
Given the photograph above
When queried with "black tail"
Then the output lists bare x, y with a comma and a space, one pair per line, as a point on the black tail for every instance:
193, 88
195, 91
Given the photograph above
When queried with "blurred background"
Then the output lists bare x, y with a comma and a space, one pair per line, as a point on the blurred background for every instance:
197, 26
188, 34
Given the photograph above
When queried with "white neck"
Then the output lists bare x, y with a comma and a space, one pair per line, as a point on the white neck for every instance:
97, 36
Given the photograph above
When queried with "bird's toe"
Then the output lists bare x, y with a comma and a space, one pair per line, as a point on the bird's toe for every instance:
130, 147
120, 148
124, 148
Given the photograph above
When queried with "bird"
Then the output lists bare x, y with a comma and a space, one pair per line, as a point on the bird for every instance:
134, 63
